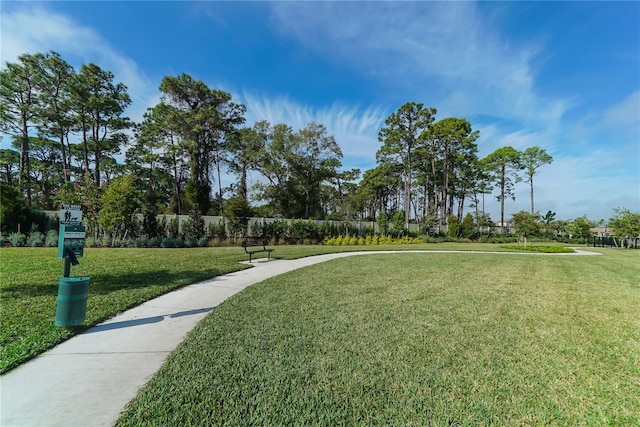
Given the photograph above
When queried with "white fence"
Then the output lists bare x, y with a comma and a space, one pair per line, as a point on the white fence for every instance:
255, 222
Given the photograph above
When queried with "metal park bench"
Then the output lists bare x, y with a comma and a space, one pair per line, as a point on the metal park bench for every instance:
259, 245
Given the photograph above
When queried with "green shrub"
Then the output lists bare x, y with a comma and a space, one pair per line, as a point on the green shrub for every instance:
105, 240
304, 230
52, 239
383, 223
193, 228
127, 243
154, 242
370, 240
141, 241
18, 239
399, 226
35, 239
173, 227
219, 230
275, 230
168, 242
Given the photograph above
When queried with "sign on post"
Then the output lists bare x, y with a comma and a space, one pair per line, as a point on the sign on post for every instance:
71, 214
72, 233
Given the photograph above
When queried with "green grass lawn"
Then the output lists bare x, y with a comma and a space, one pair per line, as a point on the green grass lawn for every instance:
414, 339
120, 279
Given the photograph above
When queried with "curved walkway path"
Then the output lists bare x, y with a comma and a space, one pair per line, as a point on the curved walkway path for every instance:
88, 379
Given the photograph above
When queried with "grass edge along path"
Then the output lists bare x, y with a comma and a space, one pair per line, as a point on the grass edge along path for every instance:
461, 339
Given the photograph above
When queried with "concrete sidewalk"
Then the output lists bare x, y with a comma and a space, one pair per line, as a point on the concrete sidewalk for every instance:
88, 379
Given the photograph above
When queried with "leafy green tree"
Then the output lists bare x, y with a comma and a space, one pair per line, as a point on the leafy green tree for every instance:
532, 159
453, 227
9, 164
378, 186
339, 198
150, 225
201, 117
503, 165
194, 227
55, 115
526, 224
467, 226
18, 108
99, 104
314, 160
549, 217
404, 132
238, 213
296, 165
626, 225
480, 185
383, 223
399, 226
13, 209
581, 227
46, 171
548, 220
119, 202
453, 142
159, 159
244, 147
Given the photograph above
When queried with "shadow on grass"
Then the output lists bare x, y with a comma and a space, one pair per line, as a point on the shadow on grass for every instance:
102, 284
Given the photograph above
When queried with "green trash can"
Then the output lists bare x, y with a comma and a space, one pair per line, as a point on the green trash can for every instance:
72, 301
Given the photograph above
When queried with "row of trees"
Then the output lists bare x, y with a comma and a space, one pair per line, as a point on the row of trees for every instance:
440, 161
68, 126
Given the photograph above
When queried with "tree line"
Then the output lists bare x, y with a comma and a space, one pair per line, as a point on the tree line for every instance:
68, 128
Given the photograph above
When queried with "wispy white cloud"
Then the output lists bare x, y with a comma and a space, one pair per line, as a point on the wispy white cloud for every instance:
34, 28
440, 51
355, 129
625, 113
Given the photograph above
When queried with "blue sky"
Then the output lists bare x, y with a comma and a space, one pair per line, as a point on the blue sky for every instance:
564, 76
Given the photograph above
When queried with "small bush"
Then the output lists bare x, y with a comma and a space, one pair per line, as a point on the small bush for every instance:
127, 243
51, 240
18, 239
105, 240
219, 230
154, 242
168, 242
172, 228
141, 242
36, 239
370, 240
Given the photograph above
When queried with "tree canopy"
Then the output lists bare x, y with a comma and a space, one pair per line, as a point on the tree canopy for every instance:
69, 133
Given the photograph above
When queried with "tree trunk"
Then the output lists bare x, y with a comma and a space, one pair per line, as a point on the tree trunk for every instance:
502, 185
531, 193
